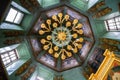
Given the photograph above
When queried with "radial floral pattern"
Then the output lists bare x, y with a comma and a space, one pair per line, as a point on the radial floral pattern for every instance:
61, 36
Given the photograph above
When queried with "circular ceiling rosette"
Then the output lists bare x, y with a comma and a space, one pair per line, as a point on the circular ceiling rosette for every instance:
61, 36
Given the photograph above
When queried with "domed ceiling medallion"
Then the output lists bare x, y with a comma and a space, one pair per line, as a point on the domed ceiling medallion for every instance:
62, 37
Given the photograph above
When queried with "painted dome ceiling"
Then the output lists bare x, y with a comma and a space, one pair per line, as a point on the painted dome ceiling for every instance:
61, 38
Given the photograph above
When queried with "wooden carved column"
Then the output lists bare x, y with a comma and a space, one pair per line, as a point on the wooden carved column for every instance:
109, 67
30, 5
58, 77
13, 37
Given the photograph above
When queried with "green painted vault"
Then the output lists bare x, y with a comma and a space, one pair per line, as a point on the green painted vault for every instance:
35, 63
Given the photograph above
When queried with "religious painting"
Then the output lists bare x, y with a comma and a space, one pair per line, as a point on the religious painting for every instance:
97, 55
69, 63
35, 46
85, 50
48, 60
114, 72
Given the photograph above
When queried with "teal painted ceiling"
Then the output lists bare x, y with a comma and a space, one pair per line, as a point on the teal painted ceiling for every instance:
80, 6
47, 3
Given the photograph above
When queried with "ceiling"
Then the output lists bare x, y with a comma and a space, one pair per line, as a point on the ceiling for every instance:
35, 38
76, 9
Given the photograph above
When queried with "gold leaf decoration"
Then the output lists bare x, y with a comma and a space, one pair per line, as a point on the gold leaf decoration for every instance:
61, 37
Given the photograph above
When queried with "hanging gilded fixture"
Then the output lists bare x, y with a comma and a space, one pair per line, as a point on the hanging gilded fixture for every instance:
62, 36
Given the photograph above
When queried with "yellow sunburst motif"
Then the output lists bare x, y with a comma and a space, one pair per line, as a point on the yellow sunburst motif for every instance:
62, 37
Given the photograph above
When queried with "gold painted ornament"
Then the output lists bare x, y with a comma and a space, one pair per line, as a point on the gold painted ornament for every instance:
43, 41
68, 24
41, 32
48, 21
56, 48
49, 37
55, 25
63, 56
69, 47
56, 55
69, 54
67, 17
45, 47
50, 50
79, 25
60, 15
75, 50
80, 31
81, 39
43, 25
75, 35
63, 36
79, 46
54, 17
75, 21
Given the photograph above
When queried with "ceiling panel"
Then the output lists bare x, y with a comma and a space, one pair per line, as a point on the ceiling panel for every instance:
46, 3
80, 4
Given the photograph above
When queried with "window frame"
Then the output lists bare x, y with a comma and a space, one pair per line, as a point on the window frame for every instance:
114, 24
18, 11
10, 58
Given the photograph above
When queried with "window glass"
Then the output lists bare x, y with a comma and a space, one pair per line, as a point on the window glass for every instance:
113, 24
18, 18
118, 26
118, 23
4, 59
111, 21
12, 52
5, 55
11, 15
9, 57
14, 16
2, 56
12, 55
13, 58
117, 18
